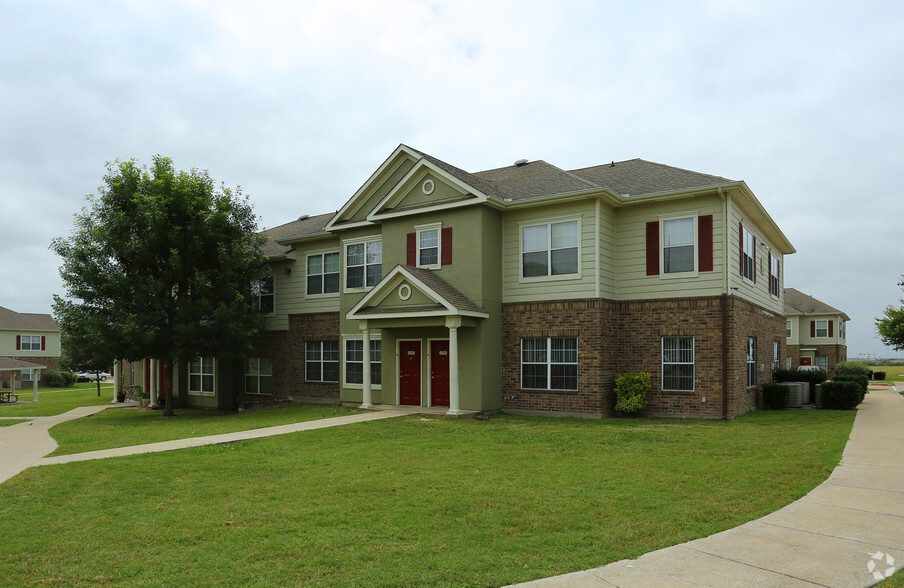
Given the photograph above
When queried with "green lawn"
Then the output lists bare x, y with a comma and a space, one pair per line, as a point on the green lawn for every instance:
54, 401
892, 373
121, 427
410, 501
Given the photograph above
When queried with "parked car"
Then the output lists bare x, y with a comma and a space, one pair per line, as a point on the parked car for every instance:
809, 368
92, 376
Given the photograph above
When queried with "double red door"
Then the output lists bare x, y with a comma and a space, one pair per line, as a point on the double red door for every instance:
410, 362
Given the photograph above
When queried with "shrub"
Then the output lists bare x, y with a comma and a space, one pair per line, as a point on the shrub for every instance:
841, 395
878, 375
55, 378
812, 376
846, 368
775, 396
631, 392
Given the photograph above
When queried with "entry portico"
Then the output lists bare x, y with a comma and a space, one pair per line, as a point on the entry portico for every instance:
416, 301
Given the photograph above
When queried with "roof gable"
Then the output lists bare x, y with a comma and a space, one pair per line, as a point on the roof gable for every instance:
796, 302
24, 321
426, 295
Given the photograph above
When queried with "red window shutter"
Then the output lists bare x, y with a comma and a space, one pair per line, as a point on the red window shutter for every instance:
705, 238
18, 342
831, 328
412, 249
44, 342
653, 248
812, 328
446, 257
741, 247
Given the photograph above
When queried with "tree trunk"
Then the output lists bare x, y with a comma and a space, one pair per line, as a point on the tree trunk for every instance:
97, 381
169, 403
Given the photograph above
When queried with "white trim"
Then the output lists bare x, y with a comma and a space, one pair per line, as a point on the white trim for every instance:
428, 190
694, 215
419, 229
375, 335
548, 222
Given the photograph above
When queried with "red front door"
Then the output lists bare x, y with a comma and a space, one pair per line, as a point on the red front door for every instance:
439, 373
806, 361
410, 373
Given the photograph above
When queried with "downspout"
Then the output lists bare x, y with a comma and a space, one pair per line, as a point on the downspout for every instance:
724, 303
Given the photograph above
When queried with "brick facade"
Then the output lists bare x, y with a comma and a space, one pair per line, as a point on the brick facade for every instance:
302, 328
617, 337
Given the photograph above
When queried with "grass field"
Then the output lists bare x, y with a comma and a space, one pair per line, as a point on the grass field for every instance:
53, 401
892, 372
410, 501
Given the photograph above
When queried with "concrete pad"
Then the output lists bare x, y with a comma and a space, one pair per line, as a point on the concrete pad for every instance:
868, 476
879, 530
584, 579
809, 557
879, 501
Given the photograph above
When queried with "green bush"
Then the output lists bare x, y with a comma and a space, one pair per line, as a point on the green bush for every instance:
812, 376
59, 379
856, 368
775, 396
631, 392
841, 395
860, 380
878, 375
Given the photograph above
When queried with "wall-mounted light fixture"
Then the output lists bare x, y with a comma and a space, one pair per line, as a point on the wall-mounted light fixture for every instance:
287, 271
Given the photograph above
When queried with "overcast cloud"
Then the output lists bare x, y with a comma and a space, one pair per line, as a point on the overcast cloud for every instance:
299, 102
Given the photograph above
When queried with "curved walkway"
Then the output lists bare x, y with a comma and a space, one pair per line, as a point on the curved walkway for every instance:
25, 444
848, 531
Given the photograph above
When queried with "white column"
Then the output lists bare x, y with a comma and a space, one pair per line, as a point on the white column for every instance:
34, 377
154, 384
116, 370
453, 322
367, 401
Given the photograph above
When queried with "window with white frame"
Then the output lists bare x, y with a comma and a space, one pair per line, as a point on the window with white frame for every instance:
363, 264
30, 375
262, 298
822, 328
678, 245
773, 277
549, 363
678, 363
354, 362
788, 328
822, 362
259, 375
788, 362
321, 361
751, 361
323, 273
201, 376
842, 330
428, 242
550, 249
747, 255
776, 360
30, 342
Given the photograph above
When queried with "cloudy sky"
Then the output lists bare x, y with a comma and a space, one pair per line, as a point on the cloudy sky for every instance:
299, 102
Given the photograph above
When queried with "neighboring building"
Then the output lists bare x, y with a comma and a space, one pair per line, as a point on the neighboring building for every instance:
33, 338
526, 289
816, 333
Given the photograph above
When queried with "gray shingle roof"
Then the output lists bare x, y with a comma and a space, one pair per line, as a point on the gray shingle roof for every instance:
306, 226
12, 320
796, 302
637, 177
533, 180
451, 294
9, 364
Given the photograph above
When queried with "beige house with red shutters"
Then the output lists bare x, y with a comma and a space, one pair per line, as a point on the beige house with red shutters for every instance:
525, 288
31, 342
815, 333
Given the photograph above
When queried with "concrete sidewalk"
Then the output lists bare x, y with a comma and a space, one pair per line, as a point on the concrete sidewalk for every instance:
843, 532
25, 444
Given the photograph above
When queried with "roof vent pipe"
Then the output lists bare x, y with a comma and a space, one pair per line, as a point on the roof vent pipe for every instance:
520, 162
304, 217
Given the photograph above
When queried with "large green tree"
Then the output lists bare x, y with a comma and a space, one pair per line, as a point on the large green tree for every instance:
891, 325
161, 264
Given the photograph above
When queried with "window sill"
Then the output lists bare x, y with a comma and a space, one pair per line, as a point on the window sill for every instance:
327, 295
556, 278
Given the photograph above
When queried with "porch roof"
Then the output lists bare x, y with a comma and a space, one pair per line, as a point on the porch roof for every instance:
9, 364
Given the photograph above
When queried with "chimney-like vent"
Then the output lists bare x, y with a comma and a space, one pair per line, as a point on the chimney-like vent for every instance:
304, 217
520, 163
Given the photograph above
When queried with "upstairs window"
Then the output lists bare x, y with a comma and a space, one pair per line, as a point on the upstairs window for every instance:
363, 264
428, 247
29, 342
262, 295
748, 254
773, 275
788, 329
323, 273
549, 250
678, 245
821, 328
